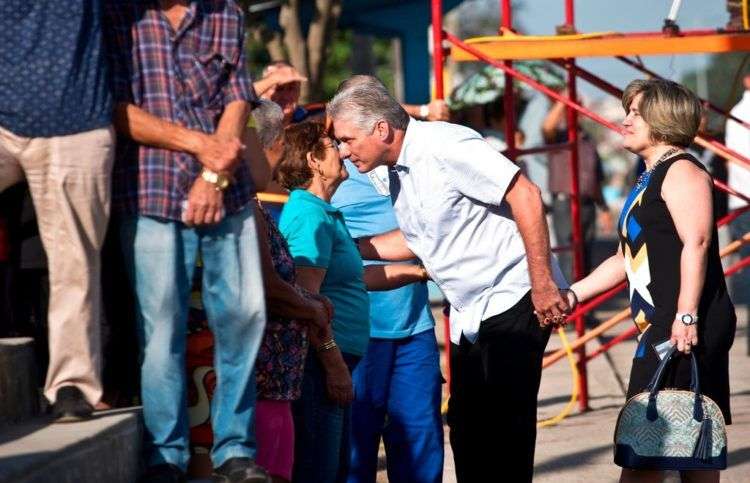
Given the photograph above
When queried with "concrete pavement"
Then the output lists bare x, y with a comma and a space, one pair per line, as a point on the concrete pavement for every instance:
579, 449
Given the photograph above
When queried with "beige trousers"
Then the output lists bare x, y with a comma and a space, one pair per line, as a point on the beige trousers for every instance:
69, 178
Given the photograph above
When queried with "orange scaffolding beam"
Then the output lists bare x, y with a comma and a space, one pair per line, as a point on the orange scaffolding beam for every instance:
501, 51
517, 47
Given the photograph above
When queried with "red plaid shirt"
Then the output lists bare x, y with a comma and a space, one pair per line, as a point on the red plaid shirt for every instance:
185, 77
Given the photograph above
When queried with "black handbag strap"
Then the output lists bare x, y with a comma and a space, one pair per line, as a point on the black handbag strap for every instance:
656, 381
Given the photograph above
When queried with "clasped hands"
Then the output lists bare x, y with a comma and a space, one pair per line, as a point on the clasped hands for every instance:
552, 305
205, 203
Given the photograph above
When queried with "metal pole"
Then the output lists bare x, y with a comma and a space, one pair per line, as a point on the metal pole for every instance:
508, 94
575, 208
437, 63
506, 19
437, 47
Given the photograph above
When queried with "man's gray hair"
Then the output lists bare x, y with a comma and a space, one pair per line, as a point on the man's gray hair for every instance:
364, 100
269, 122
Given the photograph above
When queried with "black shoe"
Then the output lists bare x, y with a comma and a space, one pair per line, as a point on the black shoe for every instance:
70, 406
240, 470
164, 473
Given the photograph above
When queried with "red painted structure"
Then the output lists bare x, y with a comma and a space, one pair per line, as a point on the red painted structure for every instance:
574, 109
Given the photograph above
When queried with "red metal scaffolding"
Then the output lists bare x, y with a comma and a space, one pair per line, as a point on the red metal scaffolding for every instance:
574, 109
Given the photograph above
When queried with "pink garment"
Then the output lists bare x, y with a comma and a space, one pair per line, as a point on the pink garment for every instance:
274, 432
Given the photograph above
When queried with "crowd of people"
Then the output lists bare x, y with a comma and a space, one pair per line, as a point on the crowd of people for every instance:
323, 336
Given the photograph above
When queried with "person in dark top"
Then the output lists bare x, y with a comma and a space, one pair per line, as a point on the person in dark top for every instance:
55, 130
669, 252
590, 178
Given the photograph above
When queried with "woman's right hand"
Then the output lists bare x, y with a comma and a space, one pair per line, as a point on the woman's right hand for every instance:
326, 307
339, 387
319, 316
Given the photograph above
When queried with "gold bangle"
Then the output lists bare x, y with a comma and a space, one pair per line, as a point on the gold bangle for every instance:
327, 345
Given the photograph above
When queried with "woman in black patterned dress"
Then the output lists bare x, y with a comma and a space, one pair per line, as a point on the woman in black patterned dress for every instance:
669, 253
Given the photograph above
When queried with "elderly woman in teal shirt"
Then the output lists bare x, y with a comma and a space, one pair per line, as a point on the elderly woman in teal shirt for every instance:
328, 262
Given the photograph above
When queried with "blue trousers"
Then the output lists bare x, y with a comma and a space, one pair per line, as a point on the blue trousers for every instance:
321, 427
160, 256
397, 389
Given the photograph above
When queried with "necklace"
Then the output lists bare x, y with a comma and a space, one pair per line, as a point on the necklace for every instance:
643, 178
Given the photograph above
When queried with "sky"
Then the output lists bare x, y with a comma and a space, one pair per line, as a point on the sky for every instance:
539, 17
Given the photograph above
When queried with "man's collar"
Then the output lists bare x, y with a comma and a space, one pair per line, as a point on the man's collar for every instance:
402, 161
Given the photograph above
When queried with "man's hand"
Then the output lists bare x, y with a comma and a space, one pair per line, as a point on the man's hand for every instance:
438, 111
550, 307
219, 153
276, 76
205, 204
285, 74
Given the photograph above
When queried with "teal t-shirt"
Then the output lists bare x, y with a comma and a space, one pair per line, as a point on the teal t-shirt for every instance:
317, 237
397, 313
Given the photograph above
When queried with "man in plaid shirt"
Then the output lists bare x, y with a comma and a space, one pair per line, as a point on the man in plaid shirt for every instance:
182, 188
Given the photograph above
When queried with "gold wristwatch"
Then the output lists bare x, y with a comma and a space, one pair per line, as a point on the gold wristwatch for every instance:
219, 180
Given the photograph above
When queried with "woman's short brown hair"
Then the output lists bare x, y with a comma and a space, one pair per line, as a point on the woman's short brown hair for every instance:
672, 112
306, 137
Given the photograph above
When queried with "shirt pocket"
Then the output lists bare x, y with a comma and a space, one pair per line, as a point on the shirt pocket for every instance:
207, 77
437, 206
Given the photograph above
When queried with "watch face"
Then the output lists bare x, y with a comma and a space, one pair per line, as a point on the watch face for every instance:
687, 319
211, 177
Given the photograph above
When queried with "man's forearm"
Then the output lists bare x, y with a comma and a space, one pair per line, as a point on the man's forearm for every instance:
233, 120
220, 151
145, 128
528, 211
390, 246
392, 276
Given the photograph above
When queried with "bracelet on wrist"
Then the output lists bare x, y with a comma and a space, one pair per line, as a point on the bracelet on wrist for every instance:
575, 297
327, 345
221, 181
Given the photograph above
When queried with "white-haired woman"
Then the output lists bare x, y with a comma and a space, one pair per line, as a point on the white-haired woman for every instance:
669, 253
292, 311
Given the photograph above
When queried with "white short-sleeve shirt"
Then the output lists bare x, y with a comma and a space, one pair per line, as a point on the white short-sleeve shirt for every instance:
447, 188
738, 139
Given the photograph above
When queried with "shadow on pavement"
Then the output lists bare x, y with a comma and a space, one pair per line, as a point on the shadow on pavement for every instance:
738, 456
571, 460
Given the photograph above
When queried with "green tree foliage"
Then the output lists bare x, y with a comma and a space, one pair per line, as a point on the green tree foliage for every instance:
339, 61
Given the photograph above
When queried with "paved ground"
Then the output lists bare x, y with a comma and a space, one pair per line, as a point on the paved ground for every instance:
579, 449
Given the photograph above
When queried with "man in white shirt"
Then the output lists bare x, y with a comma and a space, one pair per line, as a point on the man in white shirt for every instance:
478, 226
738, 139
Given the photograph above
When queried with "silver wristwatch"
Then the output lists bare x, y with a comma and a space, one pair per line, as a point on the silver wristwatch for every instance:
686, 318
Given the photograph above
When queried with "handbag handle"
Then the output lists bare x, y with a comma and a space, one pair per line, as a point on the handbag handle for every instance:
655, 384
